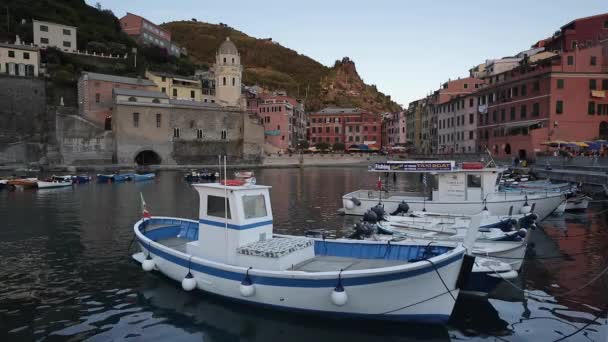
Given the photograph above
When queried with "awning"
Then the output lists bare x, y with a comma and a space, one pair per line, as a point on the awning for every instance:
598, 93
519, 124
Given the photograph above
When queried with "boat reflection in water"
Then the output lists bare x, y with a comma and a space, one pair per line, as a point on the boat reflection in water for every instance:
218, 319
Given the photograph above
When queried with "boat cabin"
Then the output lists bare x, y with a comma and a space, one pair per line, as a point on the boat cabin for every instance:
450, 183
236, 228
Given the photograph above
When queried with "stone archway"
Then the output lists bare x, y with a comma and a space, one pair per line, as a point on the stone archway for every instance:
147, 157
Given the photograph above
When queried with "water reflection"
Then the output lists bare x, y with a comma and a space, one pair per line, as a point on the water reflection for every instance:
65, 272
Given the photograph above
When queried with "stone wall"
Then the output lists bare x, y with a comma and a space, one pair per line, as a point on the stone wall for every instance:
81, 142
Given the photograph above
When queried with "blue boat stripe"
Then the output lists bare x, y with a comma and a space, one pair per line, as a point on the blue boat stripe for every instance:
235, 226
293, 282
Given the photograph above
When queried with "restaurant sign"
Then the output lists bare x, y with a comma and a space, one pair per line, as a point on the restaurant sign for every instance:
414, 166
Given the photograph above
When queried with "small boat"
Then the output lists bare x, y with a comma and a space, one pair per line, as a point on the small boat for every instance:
53, 184
3, 183
101, 178
123, 177
139, 178
80, 179
65, 178
231, 251
25, 183
577, 202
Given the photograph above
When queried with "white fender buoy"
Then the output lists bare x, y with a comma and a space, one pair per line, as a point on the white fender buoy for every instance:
485, 211
526, 208
247, 288
189, 283
338, 295
349, 204
522, 232
148, 264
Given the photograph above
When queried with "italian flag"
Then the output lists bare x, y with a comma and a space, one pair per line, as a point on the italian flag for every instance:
144, 211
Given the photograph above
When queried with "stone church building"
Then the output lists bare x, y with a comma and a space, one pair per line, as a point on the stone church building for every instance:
149, 127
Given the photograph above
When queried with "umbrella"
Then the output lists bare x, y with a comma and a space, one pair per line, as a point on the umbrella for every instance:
580, 144
555, 143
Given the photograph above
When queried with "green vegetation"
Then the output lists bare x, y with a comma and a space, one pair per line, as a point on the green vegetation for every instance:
338, 147
322, 146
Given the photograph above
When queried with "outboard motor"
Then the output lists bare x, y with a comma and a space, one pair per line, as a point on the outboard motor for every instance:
528, 221
370, 217
402, 208
363, 230
379, 211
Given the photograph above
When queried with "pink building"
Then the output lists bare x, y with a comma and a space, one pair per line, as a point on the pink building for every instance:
283, 118
393, 129
95, 100
146, 32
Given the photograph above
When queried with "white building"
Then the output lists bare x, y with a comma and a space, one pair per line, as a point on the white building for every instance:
54, 35
19, 60
457, 125
228, 72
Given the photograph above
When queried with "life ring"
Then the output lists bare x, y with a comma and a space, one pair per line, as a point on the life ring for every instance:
232, 182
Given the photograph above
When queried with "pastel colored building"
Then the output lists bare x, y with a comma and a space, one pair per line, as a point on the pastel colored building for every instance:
394, 129
345, 125
59, 36
579, 33
456, 125
95, 101
283, 118
177, 87
561, 97
414, 123
19, 60
146, 32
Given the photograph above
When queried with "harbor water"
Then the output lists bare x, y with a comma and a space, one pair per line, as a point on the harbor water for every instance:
66, 271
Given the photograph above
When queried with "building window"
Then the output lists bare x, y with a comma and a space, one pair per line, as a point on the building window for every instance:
524, 90
224, 80
67, 32
494, 116
593, 60
44, 40
560, 83
174, 92
337, 130
523, 112
232, 60
67, 44
155, 101
471, 102
466, 85
132, 99
163, 89
199, 133
158, 120
535, 109
512, 113
591, 108
559, 107
223, 134
314, 130
11, 53
570, 60
502, 115
233, 81
471, 137
192, 94
605, 84
536, 86
592, 84
26, 55
224, 59
163, 78
471, 118
44, 28
135, 119
606, 24
176, 132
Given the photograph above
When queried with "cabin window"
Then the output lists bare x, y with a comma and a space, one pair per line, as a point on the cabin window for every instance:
254, 206
216, 206
473, 181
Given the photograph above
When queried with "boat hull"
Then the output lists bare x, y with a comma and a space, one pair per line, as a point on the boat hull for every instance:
412, 294
53, 185
545, 204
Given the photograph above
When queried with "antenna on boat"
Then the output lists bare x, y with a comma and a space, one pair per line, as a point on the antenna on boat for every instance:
491, 162
219, 166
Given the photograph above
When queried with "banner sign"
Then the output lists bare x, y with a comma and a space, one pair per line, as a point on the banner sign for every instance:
272, 133
414, 166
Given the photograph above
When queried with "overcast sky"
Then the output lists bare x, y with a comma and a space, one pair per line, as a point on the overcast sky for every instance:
406, 48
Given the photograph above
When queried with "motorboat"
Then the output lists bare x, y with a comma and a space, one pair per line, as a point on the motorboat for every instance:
139, 178
25, 183
575, 201
105, 178
123, 177
52, 184
231, 251
465, 189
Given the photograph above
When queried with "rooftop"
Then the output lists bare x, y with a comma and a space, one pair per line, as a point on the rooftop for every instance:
117, 79
19, 46
169, 75
50, 23
228, 48
194, 104
141, 93
329, 110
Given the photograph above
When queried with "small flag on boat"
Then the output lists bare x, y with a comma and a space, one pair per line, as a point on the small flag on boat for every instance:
144, 211
379, 183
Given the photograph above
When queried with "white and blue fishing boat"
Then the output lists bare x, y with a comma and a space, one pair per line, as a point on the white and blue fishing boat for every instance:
101, 178
231, 251
449, 188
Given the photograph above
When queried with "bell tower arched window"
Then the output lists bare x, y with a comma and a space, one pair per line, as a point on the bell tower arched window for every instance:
233, 81
224, 81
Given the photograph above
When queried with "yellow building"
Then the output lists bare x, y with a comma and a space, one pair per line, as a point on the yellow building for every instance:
177, 87
19, 60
